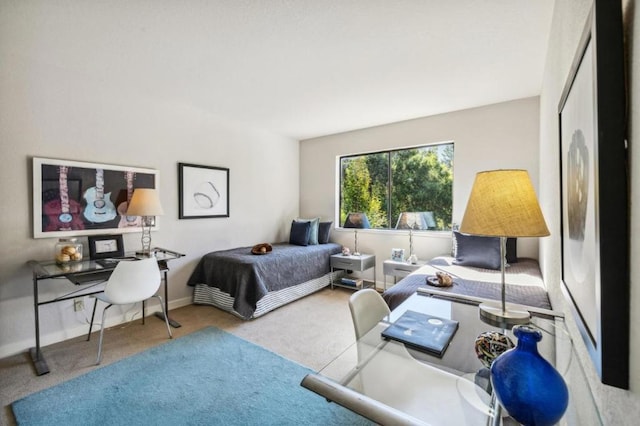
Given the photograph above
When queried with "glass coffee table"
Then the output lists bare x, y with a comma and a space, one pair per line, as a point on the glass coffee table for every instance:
389, 383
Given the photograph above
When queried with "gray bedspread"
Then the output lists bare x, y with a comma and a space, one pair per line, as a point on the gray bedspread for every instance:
524, 283
247, 277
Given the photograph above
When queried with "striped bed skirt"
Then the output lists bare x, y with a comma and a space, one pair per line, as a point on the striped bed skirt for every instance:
206, 295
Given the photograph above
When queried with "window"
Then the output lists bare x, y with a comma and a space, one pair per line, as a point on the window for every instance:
416, 181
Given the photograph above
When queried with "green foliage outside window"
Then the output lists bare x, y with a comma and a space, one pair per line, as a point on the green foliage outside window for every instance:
385, 184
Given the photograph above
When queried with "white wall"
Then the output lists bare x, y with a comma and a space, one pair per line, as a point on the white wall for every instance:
497, 136
58, 111
617, 406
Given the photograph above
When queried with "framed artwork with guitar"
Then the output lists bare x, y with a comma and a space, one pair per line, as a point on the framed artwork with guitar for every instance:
73, 198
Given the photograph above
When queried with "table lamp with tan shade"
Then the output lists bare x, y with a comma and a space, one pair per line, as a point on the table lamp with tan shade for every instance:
503, 204
145, 203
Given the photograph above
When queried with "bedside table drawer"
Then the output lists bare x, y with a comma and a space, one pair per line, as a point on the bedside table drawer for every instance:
397, 271
353, 263
346, 263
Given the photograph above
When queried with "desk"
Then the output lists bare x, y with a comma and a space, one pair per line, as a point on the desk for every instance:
50, 269
390, 384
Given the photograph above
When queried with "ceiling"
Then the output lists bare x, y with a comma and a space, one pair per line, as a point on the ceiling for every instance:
306, 68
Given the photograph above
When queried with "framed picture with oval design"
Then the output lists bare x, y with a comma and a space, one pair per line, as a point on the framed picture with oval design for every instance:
203, 191
594, 199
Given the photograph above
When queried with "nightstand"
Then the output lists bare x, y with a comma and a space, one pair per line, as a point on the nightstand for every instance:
359, 263
399, 269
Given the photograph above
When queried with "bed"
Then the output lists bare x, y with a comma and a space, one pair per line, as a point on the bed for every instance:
249, 285
524, 284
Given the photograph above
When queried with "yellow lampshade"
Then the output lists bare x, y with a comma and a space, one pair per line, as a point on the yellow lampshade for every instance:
145, 202
503, 203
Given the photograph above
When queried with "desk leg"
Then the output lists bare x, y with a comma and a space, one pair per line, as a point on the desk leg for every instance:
36, 354
172, 323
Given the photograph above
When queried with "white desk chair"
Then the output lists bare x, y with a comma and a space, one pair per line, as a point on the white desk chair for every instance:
367, 309
130, 282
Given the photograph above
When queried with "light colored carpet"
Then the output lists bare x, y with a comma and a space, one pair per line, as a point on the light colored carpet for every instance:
310, 331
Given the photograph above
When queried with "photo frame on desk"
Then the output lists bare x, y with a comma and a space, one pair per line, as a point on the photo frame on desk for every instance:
203, 191
105, 246
594, 194
74, 198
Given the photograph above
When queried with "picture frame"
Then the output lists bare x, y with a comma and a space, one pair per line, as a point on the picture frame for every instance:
105, 246
397, 254
594, 194
203, 191
75, 198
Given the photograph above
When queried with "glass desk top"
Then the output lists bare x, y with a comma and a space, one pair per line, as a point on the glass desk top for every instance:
393, 384
51, 269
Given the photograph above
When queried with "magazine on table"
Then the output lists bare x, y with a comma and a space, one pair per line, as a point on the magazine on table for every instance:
423, 332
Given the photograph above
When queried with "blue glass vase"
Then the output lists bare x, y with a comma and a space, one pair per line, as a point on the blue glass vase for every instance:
526, 384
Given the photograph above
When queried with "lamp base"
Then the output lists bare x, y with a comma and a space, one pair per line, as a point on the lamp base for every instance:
493, 314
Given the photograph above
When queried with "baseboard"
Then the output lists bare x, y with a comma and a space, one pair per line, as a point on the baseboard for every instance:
14, 348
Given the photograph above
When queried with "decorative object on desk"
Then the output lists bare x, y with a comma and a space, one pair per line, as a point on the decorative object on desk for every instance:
490, 345
503, 204
68, 250
346, 251
203, 191
146, 204
356, 221
423, 332
263, 248
59, 209
526, 384
397, 254
104, 246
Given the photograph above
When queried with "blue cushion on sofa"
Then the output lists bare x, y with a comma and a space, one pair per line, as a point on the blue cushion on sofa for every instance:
300, 233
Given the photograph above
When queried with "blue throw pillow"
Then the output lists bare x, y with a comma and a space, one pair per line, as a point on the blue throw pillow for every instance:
313, 231
324, 229
300, 233
481, 252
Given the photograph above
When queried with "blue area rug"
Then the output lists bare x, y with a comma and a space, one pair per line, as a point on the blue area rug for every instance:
206, 378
